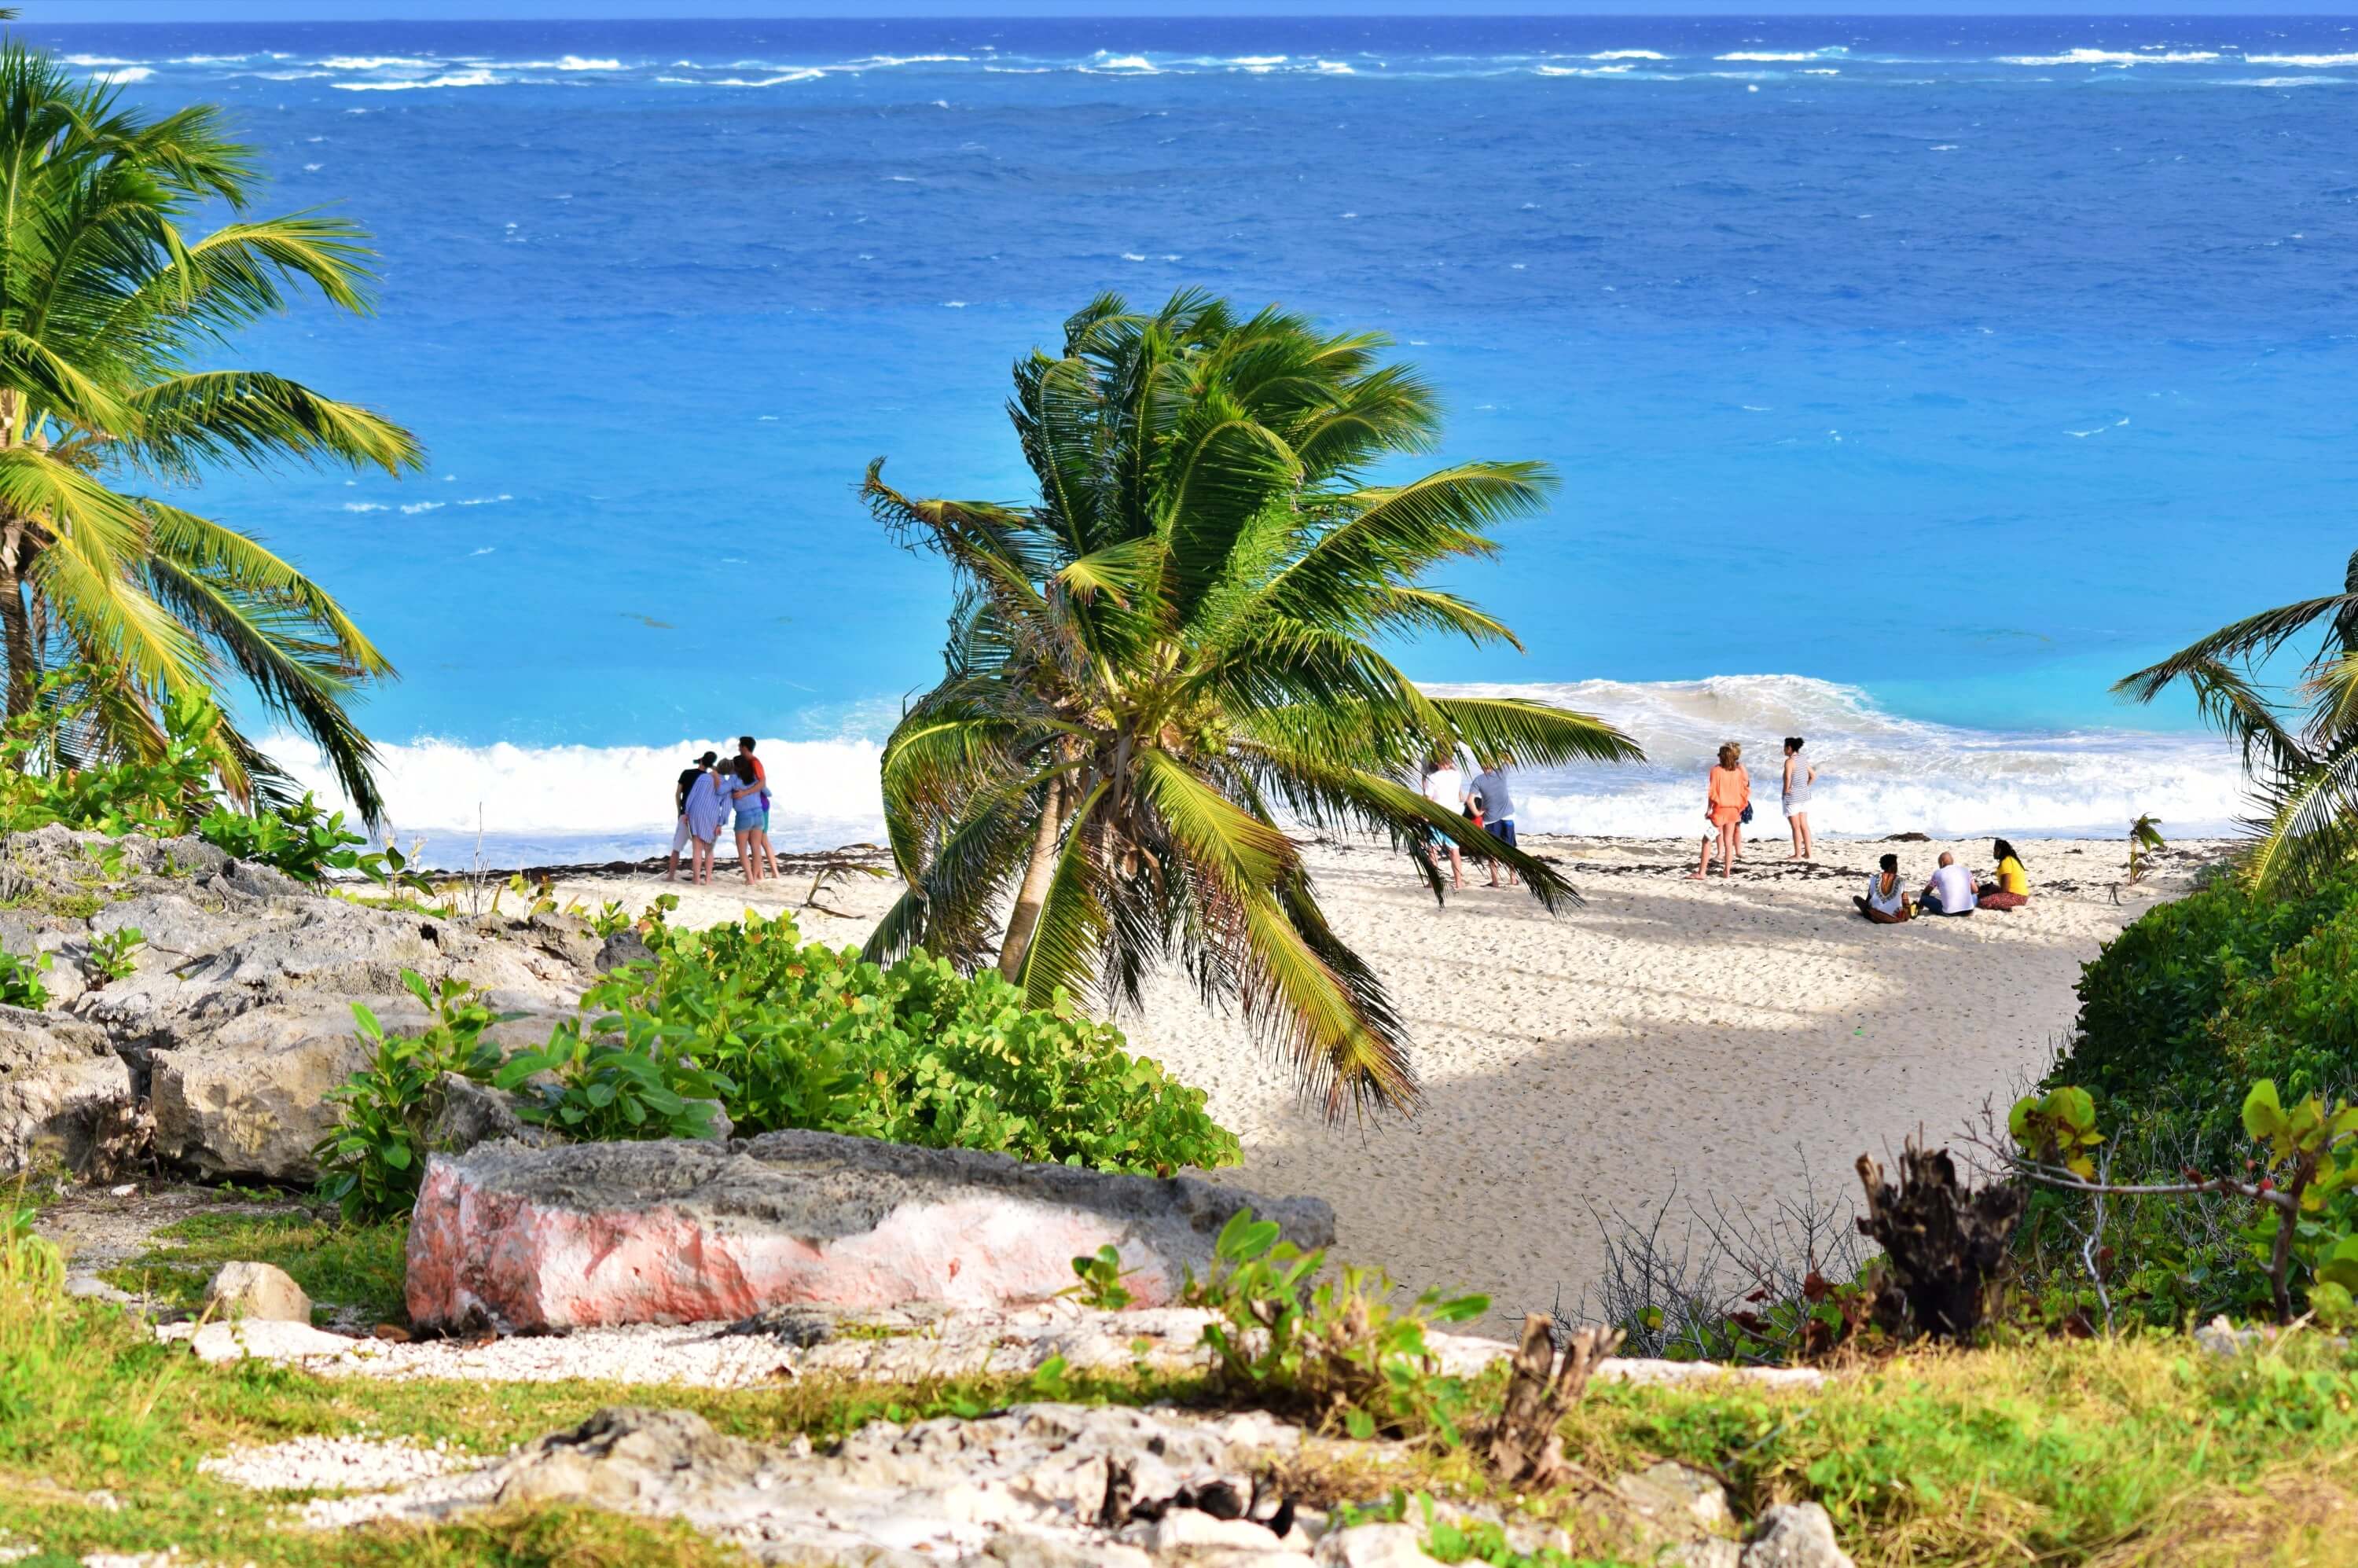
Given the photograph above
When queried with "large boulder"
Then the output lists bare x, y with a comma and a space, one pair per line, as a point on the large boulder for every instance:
59, 1083
583, 1235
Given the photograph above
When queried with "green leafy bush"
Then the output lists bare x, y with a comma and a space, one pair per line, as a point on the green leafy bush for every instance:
622, 1076
2146, 1001
809, 1036
1338, 1352
20, 980
372, 1163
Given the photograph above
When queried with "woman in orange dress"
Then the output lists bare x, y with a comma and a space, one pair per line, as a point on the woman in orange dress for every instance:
1728, 796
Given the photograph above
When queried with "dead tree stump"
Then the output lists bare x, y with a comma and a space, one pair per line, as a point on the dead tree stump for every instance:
1522, 1445
1946, 1245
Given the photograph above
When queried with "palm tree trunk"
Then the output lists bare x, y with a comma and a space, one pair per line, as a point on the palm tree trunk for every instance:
1026, 917
17, 626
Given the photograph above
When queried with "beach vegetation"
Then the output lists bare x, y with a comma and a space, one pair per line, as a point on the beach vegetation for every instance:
748, 1020
115, 955
2299, 741
1178, 641
110, 308
913, 1052
20, 980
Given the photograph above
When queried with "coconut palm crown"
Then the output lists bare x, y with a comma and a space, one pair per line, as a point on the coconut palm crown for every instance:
108, 307
1175, 649
2301, 756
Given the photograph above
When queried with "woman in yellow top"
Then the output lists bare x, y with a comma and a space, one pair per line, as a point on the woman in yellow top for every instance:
1726, 801
2010, 888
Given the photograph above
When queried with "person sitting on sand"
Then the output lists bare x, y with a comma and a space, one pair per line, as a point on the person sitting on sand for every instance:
1491, 788
1726, 797
2010, 885
753, 818
1950, 891
707, 809
680, 836
1886, 902
1798, 777
1444, 785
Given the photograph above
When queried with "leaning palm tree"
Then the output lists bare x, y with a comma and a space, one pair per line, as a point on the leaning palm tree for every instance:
1174, 649
2300, 755
108, 307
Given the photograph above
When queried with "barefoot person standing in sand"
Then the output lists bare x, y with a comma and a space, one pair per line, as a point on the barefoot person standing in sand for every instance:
1798, 777
681, 834
1728, 797
705, 809
1491, 787
1444, 785
751, 802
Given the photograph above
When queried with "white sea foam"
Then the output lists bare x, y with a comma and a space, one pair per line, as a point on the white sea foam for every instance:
2305, 60
1878, 773
90, 59
452, 79
2286, 81
124, 74
1764, 57
1628, 54
2111, 57
1137, 62
804, 75
377, 63
209, 59
1334, 68
364, 506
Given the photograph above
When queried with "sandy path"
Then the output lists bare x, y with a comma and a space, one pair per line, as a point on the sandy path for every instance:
1706, 1040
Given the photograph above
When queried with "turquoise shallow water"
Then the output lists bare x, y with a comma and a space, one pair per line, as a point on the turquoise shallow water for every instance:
1910, 380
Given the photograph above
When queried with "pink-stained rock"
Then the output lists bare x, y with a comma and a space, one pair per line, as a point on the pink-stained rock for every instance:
589, 1235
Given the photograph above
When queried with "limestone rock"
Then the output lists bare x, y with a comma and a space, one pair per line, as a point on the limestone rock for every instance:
1795, 1535
622, 947
257, 1292
1678, 1498
59, 1082
591, 1233
475, 1114
1023, 1489
1375, 1546
265, 1339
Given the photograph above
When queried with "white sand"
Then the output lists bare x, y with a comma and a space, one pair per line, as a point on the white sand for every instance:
1709, 1040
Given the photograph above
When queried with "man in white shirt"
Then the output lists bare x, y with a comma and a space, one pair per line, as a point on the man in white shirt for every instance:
1444, 785
1950, 891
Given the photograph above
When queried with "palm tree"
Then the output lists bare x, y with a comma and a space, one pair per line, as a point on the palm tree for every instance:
1175, 645
107, 308
2301, 758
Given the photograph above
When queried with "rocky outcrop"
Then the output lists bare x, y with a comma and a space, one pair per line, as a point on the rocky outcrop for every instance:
587, 1234
237, 1016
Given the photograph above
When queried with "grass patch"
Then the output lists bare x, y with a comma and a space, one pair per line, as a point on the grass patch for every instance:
336, 1264
2108, 1454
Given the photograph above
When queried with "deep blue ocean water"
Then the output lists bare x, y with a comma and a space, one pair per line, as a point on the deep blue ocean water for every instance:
1910, 380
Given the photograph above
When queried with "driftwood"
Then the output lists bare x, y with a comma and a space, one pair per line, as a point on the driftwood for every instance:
1945, 1245
1522, 1445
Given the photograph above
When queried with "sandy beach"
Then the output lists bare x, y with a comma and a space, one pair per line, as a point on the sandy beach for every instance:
1670, 1041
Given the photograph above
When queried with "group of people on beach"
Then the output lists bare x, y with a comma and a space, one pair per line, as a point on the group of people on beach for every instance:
1953, 890
1727, 806
1482, 795
710, 796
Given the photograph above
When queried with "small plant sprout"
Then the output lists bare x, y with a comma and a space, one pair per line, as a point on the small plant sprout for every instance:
115, 955
1101, 1280
2145, 837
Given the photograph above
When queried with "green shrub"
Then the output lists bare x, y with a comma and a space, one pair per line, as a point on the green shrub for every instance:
372, 1163
811, 1037
2148, 998
1338, 1352
622, 1076
20, 980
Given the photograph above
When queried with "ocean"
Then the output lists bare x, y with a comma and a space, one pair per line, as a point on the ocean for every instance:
1910, 380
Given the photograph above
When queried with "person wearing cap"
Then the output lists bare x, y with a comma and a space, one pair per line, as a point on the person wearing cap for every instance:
682, 834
